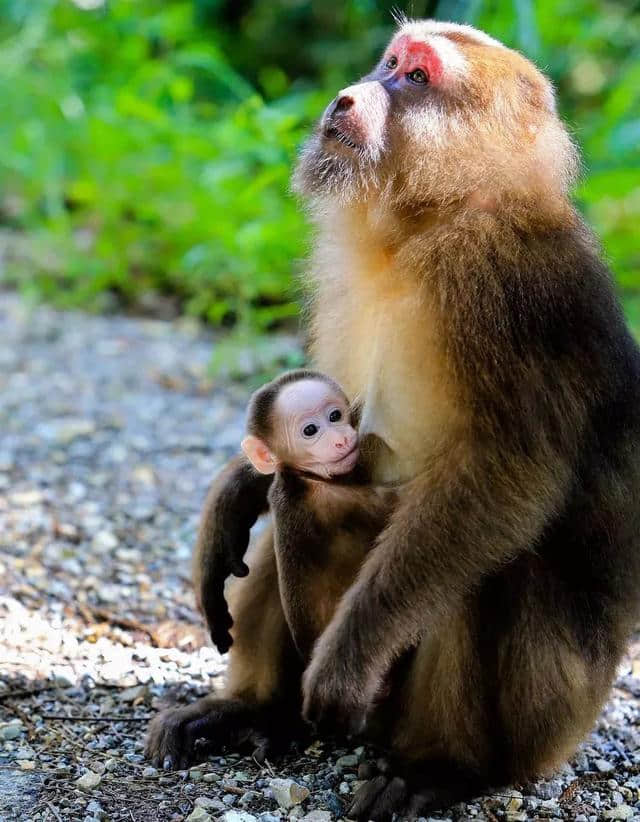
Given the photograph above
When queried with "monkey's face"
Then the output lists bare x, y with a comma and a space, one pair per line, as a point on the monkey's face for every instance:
447, 113
313, 429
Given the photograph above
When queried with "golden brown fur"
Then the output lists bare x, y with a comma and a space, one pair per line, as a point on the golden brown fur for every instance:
459, 298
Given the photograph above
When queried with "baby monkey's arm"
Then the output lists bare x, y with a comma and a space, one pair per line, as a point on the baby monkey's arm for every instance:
235, 500
300, 547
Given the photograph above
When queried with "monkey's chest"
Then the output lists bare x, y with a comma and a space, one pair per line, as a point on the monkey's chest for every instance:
390, 363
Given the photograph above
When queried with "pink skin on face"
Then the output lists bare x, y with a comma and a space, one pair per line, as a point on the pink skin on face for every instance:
414, 54
358, 114
314, 423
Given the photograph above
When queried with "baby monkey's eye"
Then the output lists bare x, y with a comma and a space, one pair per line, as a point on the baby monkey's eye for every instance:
391, 63
335, 415
310, 430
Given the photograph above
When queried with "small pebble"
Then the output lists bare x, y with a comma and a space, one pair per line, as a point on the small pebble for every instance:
209, 803
237, 816
348, 761
11, 730
88, 781
199, 814
317, 816
619, 812
288, 793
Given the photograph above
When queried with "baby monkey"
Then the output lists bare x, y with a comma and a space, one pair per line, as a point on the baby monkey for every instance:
326, 517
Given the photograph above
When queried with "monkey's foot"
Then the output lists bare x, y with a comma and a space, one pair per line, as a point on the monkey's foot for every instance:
174, 735
408, 792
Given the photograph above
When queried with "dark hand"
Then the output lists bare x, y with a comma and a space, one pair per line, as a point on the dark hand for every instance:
229, 553
337, 695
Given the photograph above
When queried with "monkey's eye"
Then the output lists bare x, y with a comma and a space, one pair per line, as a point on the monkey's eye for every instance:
417, 76
335, 415
310, 430
391, 63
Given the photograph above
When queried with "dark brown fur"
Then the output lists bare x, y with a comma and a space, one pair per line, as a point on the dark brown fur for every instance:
484, 343
322, 533
234, 502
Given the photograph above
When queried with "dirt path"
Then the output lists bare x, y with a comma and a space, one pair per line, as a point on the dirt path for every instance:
109, 434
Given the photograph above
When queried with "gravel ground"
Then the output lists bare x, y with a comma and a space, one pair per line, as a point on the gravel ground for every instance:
110, 431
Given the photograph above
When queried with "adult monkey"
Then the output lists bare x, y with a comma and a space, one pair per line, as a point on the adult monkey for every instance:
462, 300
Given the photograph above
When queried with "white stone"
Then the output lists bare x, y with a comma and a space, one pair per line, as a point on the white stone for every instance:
619, 812
209, 803
237, 816
317, 816
288, 793
104, 541
88, 781
199, 814
11, 730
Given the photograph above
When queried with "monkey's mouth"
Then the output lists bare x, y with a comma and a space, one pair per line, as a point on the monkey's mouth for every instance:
333, 133
346, 463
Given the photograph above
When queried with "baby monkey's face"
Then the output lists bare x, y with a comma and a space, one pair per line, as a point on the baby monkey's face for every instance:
312, 423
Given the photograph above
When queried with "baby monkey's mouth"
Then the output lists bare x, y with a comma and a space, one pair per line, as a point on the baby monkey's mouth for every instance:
333, 133
347, 461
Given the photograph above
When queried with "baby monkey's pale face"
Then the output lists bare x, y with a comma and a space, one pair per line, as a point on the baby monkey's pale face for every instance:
312, 424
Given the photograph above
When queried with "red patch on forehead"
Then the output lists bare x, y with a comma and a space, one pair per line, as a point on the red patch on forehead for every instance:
413, 54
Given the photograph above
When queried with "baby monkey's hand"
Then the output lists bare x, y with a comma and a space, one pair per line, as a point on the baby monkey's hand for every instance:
236, 499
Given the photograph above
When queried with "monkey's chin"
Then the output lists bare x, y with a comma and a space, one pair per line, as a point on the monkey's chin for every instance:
339, 141
346, 464
328, 167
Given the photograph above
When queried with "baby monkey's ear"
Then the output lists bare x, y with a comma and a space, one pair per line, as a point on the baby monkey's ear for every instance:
259, 455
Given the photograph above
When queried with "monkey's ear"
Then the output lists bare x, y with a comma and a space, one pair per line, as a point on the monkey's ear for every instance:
259, 455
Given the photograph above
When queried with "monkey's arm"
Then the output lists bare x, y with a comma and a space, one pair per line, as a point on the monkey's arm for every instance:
235, 500
470, 513
301, 549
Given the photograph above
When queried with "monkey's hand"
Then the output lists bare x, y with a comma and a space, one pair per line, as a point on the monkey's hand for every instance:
228, 548
235, 501
338, 694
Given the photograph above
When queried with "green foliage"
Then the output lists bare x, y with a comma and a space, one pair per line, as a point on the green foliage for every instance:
140, 160
145, 148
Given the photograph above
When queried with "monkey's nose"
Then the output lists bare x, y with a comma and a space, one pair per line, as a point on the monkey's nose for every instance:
344, 102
